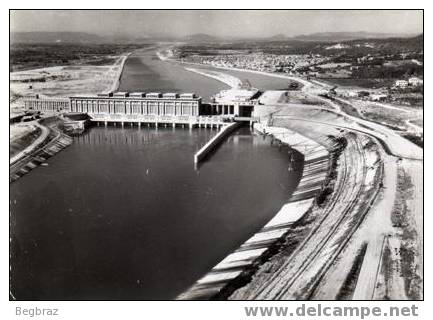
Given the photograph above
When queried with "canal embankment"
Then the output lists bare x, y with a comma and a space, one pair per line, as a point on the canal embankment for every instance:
23, 138
51, 141
225, 78
51, 138
237, 268
118, 69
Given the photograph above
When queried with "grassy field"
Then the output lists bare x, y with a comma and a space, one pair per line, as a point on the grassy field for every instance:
63, 81
34, 56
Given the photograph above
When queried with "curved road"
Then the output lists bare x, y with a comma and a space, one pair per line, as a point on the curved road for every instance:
298, 276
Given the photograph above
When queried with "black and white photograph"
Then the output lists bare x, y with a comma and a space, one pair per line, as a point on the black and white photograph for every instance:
210, 154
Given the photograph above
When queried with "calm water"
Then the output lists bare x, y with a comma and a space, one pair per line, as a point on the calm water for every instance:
143, 71
123, 213
259, 81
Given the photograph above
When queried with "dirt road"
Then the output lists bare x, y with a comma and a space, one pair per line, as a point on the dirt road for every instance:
330, 259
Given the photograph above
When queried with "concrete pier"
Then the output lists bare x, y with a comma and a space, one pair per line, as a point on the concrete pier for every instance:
217, 139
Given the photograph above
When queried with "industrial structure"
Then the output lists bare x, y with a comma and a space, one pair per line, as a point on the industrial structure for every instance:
153, 107
236, 102
34, 102
137, 103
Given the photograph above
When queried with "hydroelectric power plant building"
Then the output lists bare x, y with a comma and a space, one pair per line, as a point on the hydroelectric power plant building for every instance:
34, 102
138, 103
154, 107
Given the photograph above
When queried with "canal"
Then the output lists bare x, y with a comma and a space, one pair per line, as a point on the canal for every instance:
123, 214
144, 71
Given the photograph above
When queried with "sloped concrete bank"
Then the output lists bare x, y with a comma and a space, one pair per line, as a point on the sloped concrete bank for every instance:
237, 268
116, 83
54, 142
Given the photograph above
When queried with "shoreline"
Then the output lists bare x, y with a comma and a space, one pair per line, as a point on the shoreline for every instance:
35, 144
229, 80
18, 163
41, 151
115, 85
409, 151
254, 283
238, 267
222, 276
264, 73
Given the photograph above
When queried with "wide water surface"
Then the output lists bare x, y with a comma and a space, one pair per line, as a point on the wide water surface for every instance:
144, 71
123, 213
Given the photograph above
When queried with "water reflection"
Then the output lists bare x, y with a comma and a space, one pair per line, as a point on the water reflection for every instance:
122, 214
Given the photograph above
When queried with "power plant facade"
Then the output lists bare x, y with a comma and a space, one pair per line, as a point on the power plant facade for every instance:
121, 103
33, 102
139, 103
153, 106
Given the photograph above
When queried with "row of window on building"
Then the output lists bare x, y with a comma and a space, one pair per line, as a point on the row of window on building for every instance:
108, 106
135, 107
46, 105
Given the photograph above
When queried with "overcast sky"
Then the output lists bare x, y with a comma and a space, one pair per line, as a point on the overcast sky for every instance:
223, 23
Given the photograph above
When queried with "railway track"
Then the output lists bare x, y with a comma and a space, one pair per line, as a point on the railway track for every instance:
271, 283
274, 288
328, 238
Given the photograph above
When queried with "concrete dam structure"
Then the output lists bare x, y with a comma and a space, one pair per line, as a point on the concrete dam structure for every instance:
154, 108
227, 110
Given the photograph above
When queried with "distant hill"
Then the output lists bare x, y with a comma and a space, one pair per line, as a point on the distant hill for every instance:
392, 44
201, 37
83, 37
277, 37
55, 37
346, 36
369, 45
316, 37
324, 37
